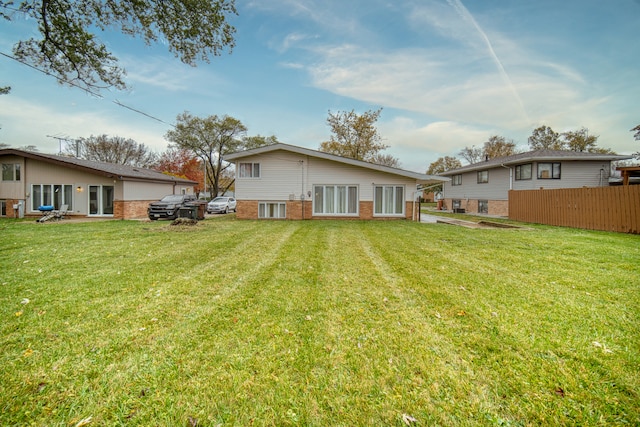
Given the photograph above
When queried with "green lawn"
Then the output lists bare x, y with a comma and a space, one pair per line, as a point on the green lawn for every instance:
321, 323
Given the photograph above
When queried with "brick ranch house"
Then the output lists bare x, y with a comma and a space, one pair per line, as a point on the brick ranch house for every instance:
282, 181
90, 189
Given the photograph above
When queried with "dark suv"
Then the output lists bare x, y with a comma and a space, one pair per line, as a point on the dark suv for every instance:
168, 207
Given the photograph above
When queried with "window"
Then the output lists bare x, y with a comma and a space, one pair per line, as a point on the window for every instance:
249, 170
11, 172
456, 203
3, 208
388, 200
335, 200
54, 195
483, 177
548, 170
456, 180
272, 210
523, 172
483, 206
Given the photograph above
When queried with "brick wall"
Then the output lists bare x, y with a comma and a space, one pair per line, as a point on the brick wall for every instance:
496, 207
133, 209
248, 209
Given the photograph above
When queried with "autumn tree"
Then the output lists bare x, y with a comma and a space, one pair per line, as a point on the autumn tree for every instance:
183, 164
471, 154
210, 138
581, 140
636, 135
68, 44
498, 146
443, 164
545, 138
355, 136
111, 149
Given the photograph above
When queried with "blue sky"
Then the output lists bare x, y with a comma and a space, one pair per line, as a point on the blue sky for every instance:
447, 73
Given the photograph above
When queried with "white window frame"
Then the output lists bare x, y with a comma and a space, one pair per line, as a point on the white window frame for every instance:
386, 200
483, 177
248, 170
64, 194
265, 210
13, 169
336, 200
456, 179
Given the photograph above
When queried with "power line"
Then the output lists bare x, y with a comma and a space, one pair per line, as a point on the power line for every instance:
97, 95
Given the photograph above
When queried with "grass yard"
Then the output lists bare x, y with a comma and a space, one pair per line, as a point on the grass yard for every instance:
319, 323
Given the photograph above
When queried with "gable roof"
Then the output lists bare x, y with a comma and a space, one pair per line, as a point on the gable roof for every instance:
536, 156
111, 170
420, 177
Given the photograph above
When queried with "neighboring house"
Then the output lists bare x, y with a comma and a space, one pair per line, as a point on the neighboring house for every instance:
283, 181
484, 187
90, 189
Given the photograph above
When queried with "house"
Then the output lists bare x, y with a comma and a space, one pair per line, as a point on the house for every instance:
90, 189
484, 187
282, 181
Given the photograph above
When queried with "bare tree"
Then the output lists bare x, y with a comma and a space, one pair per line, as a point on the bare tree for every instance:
112, 149
471, 154
498, 146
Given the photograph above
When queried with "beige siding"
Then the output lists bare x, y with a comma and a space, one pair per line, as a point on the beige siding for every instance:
14, 190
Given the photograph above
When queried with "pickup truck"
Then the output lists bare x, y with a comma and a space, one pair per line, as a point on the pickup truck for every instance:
168, 206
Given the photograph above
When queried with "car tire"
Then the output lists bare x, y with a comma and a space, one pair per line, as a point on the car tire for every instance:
226, 210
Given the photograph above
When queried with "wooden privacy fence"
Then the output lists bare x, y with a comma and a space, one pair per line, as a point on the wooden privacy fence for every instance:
599, 208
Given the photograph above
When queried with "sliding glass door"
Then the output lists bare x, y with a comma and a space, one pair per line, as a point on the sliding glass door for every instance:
101, 199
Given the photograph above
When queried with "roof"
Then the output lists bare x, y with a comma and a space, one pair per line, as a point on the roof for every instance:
536, 156
420, 177
122, 172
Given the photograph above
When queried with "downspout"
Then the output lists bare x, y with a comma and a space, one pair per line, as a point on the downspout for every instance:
302, 186
510, 175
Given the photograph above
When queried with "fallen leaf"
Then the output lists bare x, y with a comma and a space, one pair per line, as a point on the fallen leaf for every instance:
438, 315
18, 313
307, 317
408, 419
559, 391
462, 313
193, 422
84, 422
25, 301
28, 352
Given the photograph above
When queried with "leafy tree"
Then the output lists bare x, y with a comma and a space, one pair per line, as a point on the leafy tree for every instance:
3, 145
209, 138
498, 146
580, 140
69, 48
443, 164
471, 154
545, 138
250, 142
5, 90
356, 136
112, 149
636, 135
182, 163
